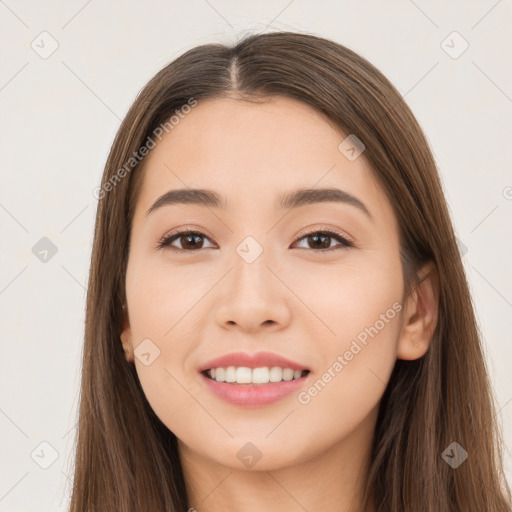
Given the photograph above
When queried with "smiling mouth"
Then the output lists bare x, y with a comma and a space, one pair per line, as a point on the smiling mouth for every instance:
244, 375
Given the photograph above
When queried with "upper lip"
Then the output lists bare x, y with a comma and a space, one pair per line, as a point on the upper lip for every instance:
258, 360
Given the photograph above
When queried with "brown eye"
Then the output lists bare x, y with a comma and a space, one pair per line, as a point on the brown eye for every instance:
189, 240
321, 240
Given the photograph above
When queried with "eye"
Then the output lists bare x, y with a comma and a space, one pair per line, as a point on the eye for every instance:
323, 239
192, 240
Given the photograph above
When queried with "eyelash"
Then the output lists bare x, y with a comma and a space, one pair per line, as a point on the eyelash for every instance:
168, 239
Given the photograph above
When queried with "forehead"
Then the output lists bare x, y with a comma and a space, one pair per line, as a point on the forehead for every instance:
284, 128
249, 151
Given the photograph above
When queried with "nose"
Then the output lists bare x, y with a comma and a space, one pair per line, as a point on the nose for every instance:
253, 297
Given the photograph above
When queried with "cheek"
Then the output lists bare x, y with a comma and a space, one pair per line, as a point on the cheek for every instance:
360, 311
357, 298
163, 301
161, 296
356, 361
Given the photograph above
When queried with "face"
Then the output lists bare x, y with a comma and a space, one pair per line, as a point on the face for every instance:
309, 294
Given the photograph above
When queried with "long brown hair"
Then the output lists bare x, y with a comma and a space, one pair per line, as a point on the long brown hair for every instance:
127, 459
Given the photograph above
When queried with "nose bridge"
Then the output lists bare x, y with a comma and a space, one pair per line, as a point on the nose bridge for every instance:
250, 276
254, 295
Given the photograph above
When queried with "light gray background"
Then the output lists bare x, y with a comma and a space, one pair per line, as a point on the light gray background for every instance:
59, 116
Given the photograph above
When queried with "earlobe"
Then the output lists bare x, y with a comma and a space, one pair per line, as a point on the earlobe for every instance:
420, 315
126, 337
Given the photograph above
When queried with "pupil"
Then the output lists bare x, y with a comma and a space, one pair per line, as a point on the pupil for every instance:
325, 243
191, 237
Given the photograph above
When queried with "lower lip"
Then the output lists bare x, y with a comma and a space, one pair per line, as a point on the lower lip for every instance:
246, 395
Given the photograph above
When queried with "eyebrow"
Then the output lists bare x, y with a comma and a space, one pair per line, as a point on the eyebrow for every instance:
289, 200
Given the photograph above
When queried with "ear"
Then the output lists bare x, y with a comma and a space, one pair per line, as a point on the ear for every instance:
126, 336
420, 315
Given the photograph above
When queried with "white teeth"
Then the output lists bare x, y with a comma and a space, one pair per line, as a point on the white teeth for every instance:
245, 375
287, 374
260, 375
230, 374
276, 374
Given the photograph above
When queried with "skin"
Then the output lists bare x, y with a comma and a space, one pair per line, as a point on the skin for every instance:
293, 301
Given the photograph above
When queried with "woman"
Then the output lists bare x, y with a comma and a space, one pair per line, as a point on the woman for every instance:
277, 314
